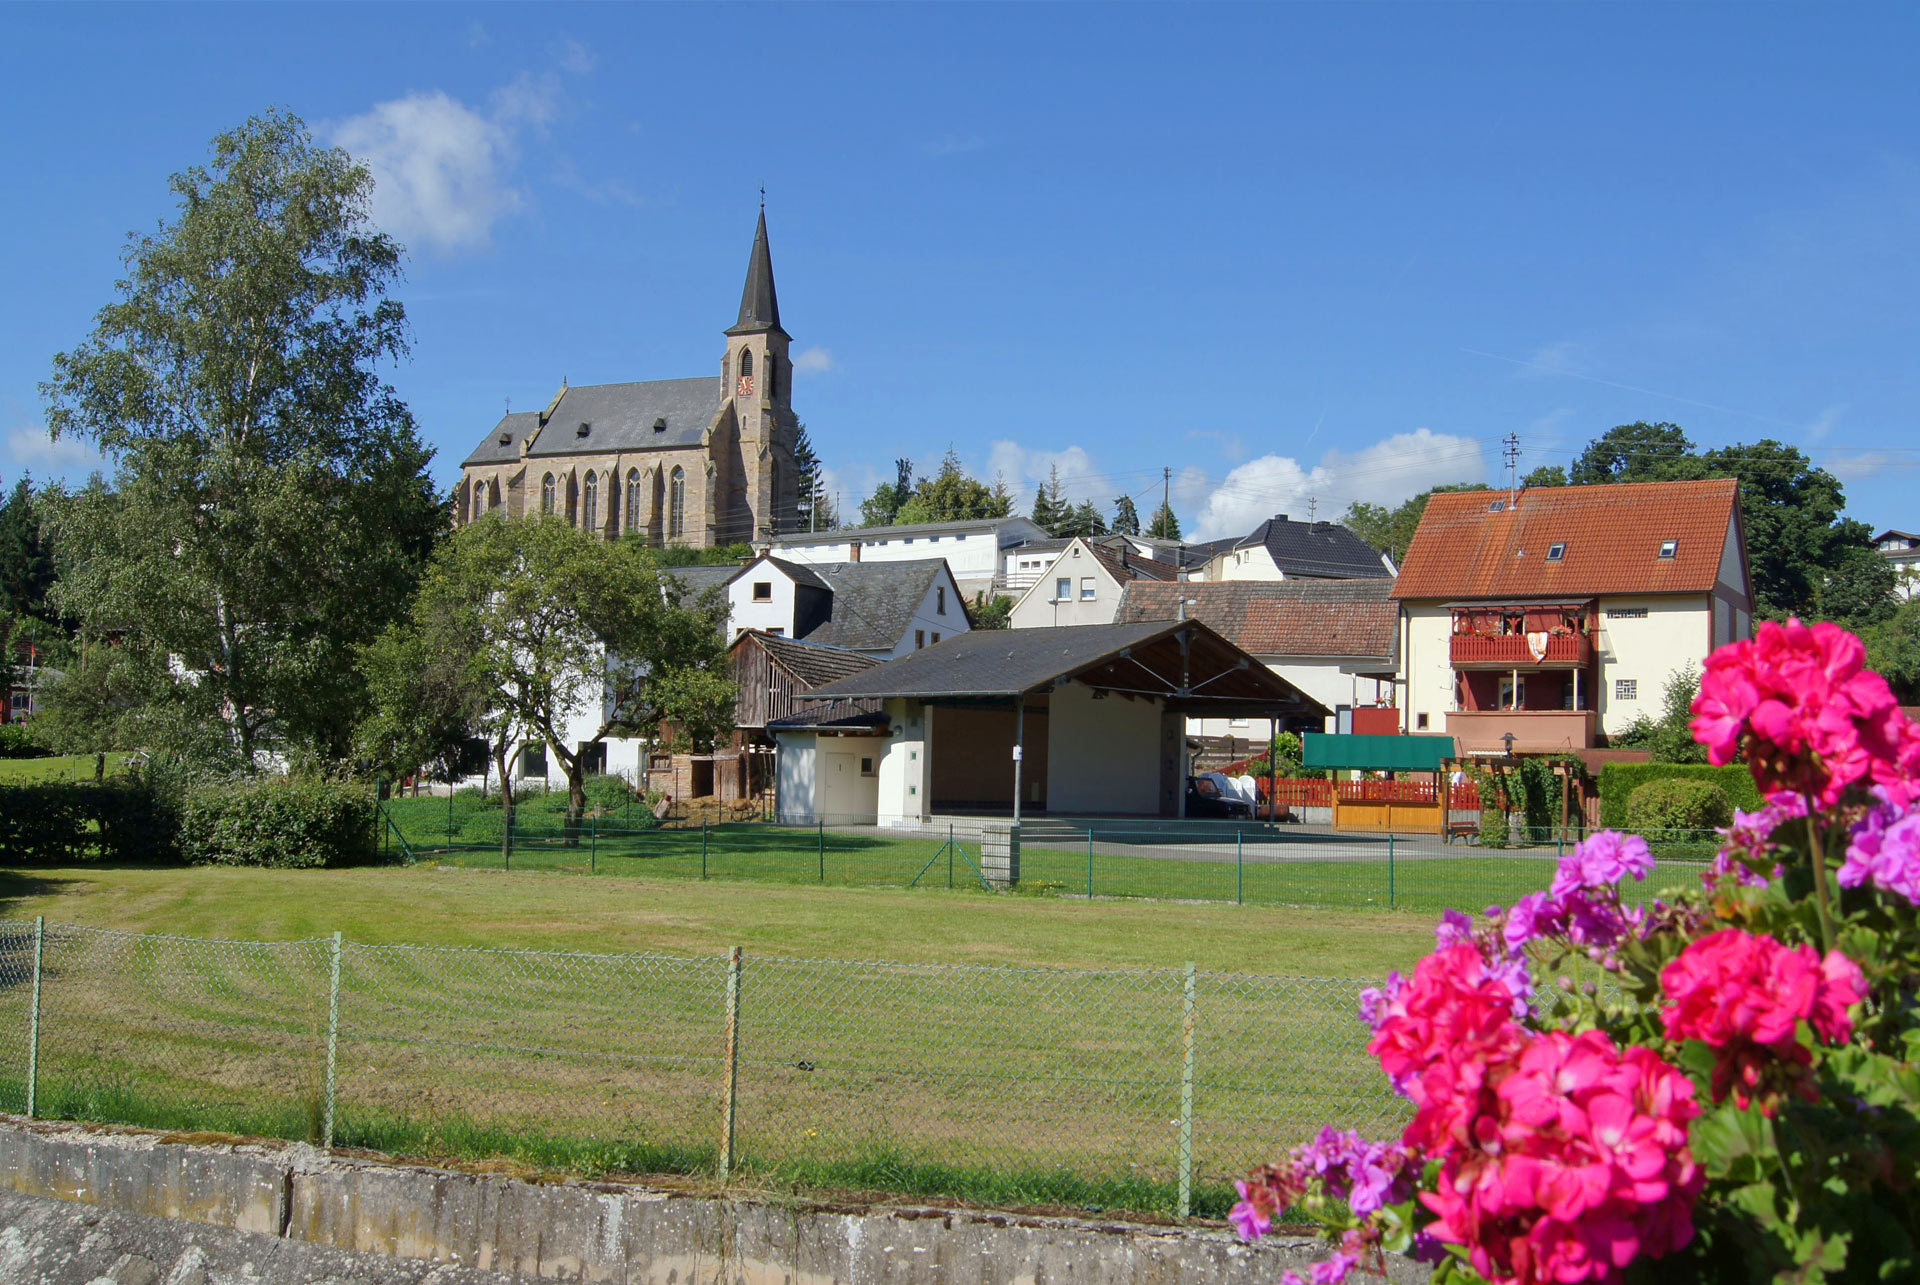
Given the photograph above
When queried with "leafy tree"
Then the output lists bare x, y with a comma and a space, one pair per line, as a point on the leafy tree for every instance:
26, 557
1165, 524
1636, 452
424, 709
951, 495
1391, 530
271, 509
882, 508
1126, 518
1893, 650
992, 613
814, 508
1546, 475
686, 555
535, 621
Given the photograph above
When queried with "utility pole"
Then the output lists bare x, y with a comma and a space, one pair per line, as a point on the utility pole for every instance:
1313, 507
1510, 451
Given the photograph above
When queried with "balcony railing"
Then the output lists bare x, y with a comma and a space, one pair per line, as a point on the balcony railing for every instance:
1535, 731
1512, 651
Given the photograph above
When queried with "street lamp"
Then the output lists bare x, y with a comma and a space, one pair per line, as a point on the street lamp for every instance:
1507, 739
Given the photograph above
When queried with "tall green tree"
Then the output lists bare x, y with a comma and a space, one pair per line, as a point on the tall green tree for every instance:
1893, 651
1126, 518
1083, 519
26, 557
1044, 513
271, 510
1636, 452
814, 509
882, 508
952, 495
535, 621
1391, 530
1165, 524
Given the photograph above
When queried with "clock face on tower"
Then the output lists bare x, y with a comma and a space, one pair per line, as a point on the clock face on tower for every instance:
745, 388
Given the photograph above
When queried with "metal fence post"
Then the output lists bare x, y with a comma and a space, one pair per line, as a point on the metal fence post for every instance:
33, 1016
593, 849
823, 850
1186, 1097
1239, 867
1389, 872
731, 1079
333, 1039
1089, 863
703, 849
949, 856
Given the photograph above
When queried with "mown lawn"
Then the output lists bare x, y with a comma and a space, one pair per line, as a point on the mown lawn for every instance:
68, 767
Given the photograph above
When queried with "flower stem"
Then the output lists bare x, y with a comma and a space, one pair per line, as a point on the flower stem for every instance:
1820, 895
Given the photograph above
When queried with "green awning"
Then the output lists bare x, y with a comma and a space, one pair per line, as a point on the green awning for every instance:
1376, 753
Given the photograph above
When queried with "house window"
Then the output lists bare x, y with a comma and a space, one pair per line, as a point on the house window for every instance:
866, 766
1513, 691
940, 600
746, 363
533, 761
936, 635
763, 591
1498, 506
1626, 689
677, 503
590, 502
1087, 589
1063, 590
1668, 548
933, 539
546, 493
633, 499
919, 639
1557, 551
1420, 721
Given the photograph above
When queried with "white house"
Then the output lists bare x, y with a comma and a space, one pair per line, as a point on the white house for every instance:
973, 549
1558, 614
1282, 549
1902, 549
1083, 582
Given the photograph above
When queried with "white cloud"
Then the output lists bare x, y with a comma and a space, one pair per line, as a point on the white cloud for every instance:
1254, 492
1854, 466
444, 170
1562, 358
1024, 470
32, 450
813, 361
1829, 419
440, 170
1403, 465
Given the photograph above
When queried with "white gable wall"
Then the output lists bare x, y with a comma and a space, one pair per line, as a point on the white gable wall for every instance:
1040, 607
776, 613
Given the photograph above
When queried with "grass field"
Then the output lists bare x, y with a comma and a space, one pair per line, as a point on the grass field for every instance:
972, 1067
70, 767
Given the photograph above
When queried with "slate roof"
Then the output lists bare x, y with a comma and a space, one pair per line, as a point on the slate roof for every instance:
1464, 548
874, 602
798, 572
1315, 549
759, 301
700, 579
810, 662
515, 427
1124, 565
1343, 618
1139, 658
830, 714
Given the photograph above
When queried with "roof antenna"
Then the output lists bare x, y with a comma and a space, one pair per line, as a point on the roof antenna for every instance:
1313, 507
1510, 451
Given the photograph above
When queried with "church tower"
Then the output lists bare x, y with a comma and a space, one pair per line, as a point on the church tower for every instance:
756, 377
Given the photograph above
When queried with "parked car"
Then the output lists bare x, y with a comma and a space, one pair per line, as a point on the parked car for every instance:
1211, 795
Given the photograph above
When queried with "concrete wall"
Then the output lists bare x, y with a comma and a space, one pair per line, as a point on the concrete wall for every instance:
903, 796
1104, 755
973, 758
271, 1199
843, 792
795, 772
774, 613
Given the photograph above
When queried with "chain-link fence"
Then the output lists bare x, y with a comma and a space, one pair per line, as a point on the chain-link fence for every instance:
1116, 1089
1189, 860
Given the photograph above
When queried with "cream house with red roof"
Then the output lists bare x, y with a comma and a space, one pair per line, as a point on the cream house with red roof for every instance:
1558, 614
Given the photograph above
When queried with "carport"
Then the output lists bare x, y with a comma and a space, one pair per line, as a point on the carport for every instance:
1078, 720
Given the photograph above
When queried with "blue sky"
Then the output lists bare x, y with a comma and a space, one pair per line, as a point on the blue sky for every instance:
1295, 253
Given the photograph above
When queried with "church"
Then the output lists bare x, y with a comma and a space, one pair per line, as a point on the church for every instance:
695, 461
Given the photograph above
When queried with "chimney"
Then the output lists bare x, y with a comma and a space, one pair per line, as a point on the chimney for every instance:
853, 551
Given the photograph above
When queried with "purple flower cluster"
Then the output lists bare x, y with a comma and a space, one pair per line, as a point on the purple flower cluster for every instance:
1602, 861
1583, 906
1884, 849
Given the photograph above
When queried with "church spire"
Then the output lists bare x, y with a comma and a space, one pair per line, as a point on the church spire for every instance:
759, 304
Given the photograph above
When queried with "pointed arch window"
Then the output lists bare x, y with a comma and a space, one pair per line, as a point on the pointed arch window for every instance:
479, 504
548, 493
746, 363
590, 502
677, 503
633, 499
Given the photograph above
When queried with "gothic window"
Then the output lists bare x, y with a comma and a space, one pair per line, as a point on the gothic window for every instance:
590, 502
479, 499
677, 503
773, 375
633, 499
746, 362
547, 493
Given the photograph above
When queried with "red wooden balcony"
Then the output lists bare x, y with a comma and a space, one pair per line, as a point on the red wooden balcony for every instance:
1512, 651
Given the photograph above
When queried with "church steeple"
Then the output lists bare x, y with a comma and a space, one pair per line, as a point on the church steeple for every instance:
759, 303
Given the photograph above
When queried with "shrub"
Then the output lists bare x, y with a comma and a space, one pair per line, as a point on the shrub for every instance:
1677, 803
16, 742
287, 824
57, 823
1618, 781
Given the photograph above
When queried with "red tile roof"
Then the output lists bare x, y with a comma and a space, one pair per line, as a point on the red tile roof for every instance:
1612, 533
1278, 617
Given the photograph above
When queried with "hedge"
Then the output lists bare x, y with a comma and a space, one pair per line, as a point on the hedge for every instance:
288, 824
16, 742
1679, 803
1618, 781
68, 822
